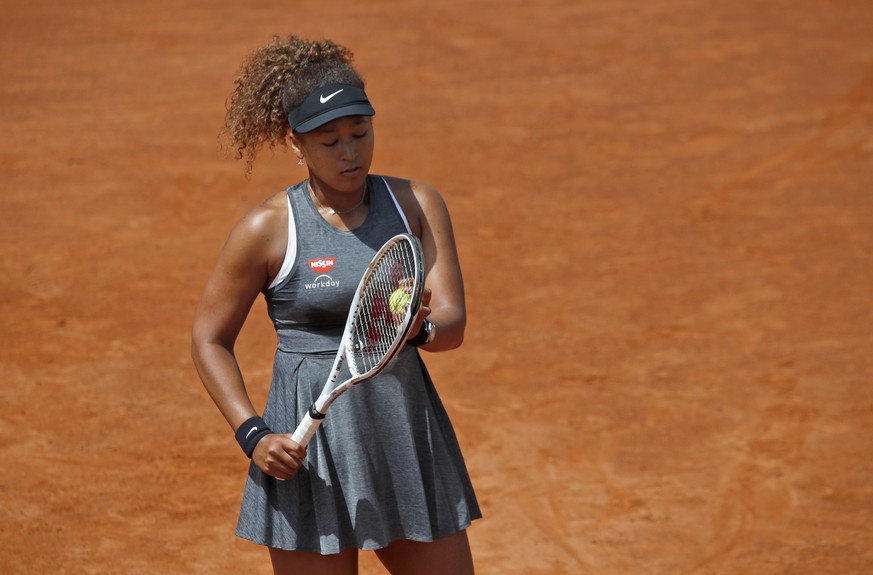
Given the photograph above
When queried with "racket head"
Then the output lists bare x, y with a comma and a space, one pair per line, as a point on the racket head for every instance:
385, 305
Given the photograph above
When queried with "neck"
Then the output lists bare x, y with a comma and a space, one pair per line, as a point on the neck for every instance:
338, 203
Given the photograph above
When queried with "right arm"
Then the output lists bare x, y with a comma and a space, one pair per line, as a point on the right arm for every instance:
240, 274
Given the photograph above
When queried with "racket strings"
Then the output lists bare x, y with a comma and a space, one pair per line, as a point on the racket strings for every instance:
377, 326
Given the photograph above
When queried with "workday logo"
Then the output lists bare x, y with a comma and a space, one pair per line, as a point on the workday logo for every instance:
321, 266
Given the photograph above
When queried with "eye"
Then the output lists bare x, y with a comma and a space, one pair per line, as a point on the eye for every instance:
330, 144
362, 134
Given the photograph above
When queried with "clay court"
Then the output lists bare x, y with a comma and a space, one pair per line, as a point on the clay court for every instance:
665, 220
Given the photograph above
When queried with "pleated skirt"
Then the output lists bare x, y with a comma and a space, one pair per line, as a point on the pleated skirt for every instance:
385, 464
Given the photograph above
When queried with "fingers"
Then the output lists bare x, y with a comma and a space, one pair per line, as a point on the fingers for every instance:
279, 456
424, 310
426, 293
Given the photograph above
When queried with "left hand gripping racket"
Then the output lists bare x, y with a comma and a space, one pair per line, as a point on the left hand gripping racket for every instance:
377, 325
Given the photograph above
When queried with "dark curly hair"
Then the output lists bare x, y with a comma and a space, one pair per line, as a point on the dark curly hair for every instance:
274, 80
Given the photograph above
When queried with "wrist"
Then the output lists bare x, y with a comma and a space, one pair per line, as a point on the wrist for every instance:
250, 433
425, 335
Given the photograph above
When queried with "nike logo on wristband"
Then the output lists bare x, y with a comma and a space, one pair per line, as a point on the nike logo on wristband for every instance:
252, 430
324, 99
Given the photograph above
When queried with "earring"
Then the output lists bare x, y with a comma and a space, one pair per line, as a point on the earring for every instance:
300, 163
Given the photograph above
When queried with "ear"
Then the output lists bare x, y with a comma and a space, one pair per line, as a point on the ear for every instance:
295, 145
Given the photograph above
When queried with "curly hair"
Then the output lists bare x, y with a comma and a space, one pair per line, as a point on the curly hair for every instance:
274, 80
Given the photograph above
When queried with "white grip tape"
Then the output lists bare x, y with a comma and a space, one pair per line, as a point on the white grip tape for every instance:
306, 430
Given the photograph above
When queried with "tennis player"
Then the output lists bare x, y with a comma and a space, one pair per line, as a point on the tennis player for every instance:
384, 472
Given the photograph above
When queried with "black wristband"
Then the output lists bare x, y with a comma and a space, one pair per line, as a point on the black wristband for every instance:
421, 337
250, 433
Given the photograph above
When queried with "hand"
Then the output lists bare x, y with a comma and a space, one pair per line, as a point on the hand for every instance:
279, 456
423, 312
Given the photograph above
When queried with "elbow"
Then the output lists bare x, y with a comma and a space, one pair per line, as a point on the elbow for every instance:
456, 344
205, 343
200, 344
450, 329
198, 339
457, 335
196, 351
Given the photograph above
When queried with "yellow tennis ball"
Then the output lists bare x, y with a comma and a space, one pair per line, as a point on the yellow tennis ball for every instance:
399, 301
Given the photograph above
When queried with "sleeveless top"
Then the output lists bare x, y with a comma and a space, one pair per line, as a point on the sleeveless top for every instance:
385, 464
309, 307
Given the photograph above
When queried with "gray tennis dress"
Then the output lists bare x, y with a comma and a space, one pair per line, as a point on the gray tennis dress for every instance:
385, 464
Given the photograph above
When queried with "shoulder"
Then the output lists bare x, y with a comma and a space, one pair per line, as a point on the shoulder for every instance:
419, 200
265, 219
412, 190
261, 235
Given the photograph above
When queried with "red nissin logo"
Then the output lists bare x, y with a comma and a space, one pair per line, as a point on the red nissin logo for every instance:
322, 265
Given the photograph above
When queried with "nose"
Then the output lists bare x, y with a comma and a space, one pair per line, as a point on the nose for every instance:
348, 149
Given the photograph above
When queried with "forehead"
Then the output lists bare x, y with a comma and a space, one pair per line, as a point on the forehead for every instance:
342, 123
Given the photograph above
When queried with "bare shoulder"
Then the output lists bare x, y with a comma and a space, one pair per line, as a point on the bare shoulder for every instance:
420, 201
413, 190
259, 239
264, 221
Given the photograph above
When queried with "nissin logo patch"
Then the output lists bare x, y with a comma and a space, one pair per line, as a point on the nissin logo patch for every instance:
322, 265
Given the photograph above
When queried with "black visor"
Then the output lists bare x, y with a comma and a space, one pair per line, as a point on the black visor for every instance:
329, 103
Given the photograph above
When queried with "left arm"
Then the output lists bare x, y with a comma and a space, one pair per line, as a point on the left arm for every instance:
445, 306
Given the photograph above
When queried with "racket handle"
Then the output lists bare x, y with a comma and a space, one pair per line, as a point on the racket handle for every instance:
306, 429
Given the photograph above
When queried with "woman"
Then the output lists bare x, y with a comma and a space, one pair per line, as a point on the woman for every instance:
384, 471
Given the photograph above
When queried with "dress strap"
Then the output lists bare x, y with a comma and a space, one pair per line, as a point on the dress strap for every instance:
397, 205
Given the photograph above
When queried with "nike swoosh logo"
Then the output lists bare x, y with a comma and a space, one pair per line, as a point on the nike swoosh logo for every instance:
252, 430
324, 99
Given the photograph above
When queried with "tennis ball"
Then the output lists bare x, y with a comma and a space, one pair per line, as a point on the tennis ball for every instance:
399, 301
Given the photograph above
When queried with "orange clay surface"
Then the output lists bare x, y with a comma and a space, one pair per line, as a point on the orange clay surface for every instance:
665, 219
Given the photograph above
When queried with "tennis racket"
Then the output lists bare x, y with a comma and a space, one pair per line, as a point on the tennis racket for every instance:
385, 304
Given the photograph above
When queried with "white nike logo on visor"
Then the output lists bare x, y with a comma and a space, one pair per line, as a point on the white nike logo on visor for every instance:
324, 99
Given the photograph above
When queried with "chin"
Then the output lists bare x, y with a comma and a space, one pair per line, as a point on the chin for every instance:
352, 181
